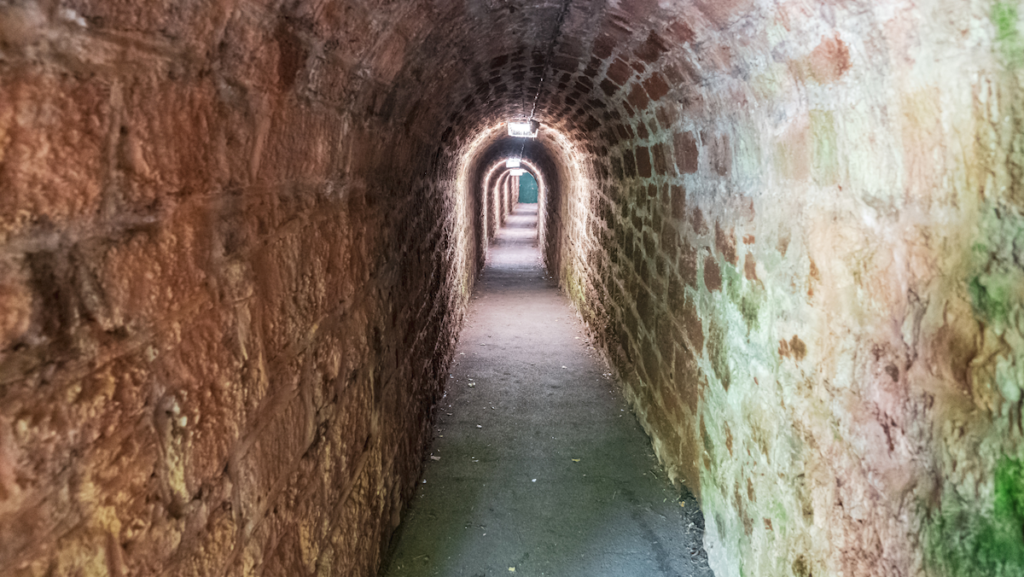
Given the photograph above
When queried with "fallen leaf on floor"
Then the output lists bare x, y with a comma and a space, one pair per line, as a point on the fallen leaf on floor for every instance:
682, 503
435, 458
511, 569
575, 460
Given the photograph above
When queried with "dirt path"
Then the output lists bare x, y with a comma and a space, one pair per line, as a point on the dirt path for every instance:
537, 464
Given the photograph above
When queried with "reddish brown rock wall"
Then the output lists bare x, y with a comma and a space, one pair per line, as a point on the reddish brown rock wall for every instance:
231, 280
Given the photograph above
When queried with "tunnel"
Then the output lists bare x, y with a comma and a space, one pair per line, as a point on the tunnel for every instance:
238, 241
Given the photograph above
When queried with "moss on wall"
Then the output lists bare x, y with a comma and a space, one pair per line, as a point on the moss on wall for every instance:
967, 541
1006, 18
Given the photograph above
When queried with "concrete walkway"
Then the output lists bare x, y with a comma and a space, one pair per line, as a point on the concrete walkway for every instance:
537, 466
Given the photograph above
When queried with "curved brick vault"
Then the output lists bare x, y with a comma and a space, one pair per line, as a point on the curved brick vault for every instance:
237, 240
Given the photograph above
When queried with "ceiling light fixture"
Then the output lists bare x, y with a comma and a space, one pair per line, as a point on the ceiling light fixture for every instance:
526, 129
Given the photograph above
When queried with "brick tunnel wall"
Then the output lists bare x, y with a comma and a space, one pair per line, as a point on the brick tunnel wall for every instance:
510, 196
503, 194
499, 192
801, 250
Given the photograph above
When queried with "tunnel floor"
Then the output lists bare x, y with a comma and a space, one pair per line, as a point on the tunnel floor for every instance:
537, 466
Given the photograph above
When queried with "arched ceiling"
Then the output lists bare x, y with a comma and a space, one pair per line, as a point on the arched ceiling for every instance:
581, 67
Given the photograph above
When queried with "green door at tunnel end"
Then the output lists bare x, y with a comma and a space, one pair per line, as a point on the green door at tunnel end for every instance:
527, 189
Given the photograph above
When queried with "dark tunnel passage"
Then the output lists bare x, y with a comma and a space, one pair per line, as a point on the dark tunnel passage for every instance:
238, 242
536, 466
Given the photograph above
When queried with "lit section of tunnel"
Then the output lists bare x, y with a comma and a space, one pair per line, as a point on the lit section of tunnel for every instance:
237, 242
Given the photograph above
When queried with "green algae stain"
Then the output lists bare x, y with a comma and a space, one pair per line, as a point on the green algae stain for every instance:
1009, 491
750, 306
573, 287
733, 281
825, 156
988, 303
745, 295
990, 297
968, 543
1006, 19
718, 353
996, 287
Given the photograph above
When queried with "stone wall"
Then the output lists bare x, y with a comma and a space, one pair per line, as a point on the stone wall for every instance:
511, 192
501, 190
230, 283
802, 252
